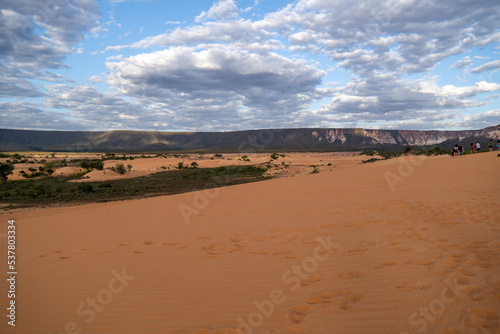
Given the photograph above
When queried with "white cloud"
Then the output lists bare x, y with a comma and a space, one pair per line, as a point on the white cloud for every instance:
222, 10
451, 90
487, 67
462, 63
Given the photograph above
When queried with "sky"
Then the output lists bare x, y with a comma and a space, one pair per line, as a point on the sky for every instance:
229, 65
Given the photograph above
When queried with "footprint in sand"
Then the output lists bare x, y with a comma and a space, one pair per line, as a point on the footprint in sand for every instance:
218, 331
415, 285
66, 257
297, 329
205, 238
475, 293
139, 252
474, 263
166, 244
123, 244
312, 279
357, 250
350, 274
402, 248
44, 255
443, 266
87, 248
420, 262
449, 330
341, 298
385, 264
148, 243
108, 251
236, 239
291, 256
479, 320
58, 251
260, 252
493, 281
281, 252
298, 313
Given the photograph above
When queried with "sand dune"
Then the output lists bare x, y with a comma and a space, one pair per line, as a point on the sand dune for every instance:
408, 245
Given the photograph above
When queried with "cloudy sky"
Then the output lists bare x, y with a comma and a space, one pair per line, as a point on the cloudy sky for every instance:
201, 65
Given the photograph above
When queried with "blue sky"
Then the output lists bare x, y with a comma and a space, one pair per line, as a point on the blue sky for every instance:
249, 64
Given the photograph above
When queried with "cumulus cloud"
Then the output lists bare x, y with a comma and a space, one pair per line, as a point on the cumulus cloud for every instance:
492, 65
219, 83
63, 23
415, 34
386, 98
464, 62
222, 10
451, 90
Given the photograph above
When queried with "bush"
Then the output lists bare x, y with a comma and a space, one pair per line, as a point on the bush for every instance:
194, 164
274, 156
104, 185
85, 188
120, 168
85, 164
97, 164
370, 160
5, 171
180, 165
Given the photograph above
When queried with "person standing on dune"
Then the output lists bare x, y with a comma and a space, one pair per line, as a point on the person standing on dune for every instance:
460, 150
472, 148
478, 147
455, 150
490, 145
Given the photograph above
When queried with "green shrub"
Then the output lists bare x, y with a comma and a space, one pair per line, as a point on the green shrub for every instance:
120, 168
85, 164
274, 156
85, 188
97, 164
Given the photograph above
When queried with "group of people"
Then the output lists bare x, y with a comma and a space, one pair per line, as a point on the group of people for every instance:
459, 150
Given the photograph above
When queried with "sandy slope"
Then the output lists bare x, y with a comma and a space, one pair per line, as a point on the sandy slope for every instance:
399, 246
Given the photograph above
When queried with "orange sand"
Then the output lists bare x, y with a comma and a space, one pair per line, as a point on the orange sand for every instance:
399, 246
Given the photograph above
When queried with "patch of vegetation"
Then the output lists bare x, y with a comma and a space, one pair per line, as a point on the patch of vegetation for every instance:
371, 160
58, 190
6, 170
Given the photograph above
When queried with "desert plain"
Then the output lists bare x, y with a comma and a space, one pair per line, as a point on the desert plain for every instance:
405, 245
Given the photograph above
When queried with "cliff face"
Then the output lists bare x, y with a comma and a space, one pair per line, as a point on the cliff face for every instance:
367, 137
238, 141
